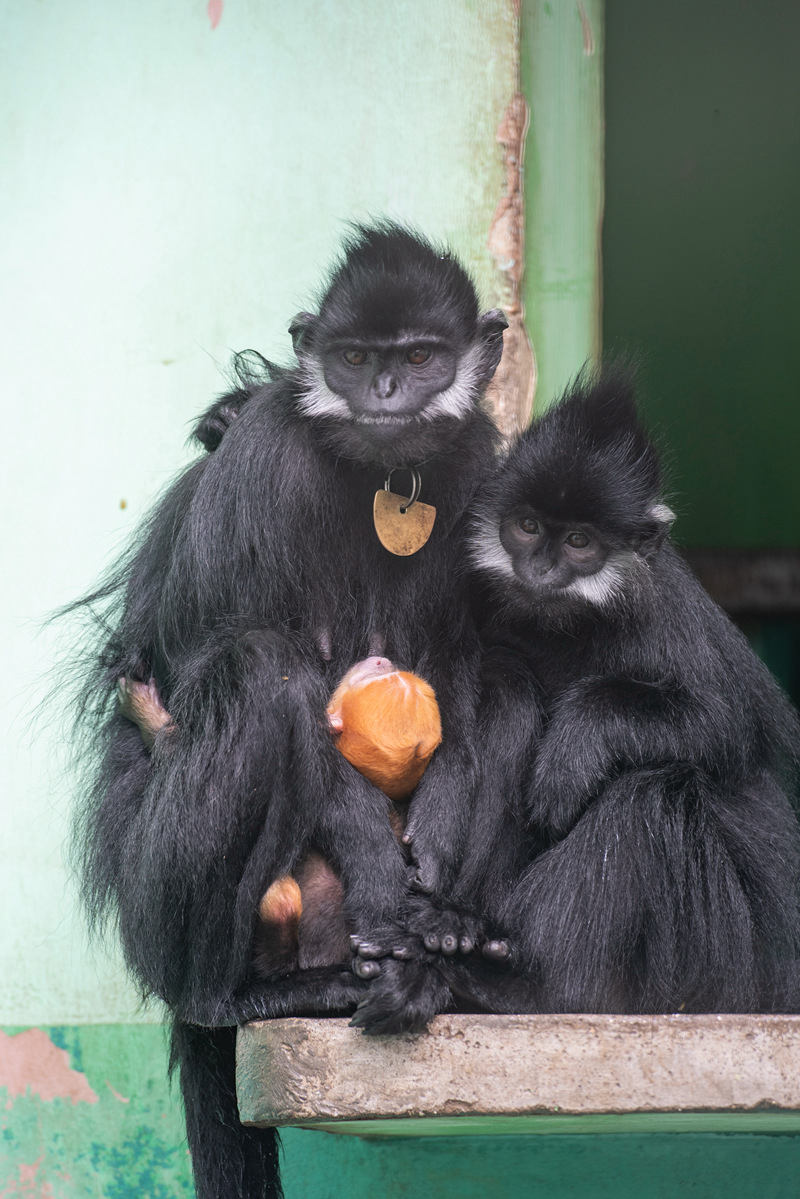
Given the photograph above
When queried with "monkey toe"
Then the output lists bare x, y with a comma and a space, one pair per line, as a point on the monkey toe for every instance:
366, 969
371, 949
449, 944
496, 951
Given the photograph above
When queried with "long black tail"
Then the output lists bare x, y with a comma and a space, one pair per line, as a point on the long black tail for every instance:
229, 1160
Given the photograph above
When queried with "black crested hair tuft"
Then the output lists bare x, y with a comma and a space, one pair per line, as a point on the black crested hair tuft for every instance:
587, 459
391, 278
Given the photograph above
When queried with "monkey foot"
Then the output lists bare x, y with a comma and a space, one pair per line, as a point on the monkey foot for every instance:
404, 999
451, 932
384, 943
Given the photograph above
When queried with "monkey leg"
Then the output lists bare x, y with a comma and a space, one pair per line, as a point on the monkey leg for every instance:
275, 946
643, 906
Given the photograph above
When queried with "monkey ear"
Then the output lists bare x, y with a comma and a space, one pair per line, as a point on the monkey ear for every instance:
425, 748
335, 720
300, 329
490, 333
660, 520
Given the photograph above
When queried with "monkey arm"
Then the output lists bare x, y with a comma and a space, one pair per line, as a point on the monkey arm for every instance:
603, 727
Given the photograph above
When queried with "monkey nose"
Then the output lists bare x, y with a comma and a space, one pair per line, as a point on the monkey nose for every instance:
385, 385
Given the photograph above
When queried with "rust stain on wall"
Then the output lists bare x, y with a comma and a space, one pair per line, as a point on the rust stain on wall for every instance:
512, 390
30, 1062
588, 32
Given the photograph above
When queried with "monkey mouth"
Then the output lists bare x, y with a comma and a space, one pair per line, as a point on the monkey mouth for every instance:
384, 419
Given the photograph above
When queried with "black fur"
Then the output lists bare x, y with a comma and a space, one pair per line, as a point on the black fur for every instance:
637, 757
257, 581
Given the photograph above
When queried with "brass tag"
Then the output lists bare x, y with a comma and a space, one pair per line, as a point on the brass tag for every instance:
403, 525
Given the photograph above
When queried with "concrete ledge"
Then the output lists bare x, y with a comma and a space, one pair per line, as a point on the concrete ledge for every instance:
525, 1073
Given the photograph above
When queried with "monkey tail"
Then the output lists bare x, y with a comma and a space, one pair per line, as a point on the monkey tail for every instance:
229, 1160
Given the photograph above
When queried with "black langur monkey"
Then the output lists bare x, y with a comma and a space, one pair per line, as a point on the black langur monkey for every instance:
638, 758
257, 580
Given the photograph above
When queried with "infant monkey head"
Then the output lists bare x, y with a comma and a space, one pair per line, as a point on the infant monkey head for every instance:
387, 724
574, 516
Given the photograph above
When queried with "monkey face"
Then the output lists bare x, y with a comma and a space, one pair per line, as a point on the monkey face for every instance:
398, 355
549, 557
549, 567
391, 382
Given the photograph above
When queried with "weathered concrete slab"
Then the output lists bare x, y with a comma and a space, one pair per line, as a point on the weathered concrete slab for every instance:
322, 1072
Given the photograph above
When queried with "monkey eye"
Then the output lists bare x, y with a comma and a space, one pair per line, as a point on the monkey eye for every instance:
529, 525
355, 357
577, 539
418, 356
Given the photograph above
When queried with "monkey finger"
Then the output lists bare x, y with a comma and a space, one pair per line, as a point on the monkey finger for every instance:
431, 942
449, 944
466, 944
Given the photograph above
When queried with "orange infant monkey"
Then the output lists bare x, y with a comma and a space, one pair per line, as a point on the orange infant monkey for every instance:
386, 723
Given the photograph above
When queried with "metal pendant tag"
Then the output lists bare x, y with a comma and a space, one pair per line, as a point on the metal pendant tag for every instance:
402, 523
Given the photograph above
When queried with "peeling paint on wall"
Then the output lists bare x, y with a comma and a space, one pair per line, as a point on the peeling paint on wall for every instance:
512, 389
61, 1141
27, 1183
30, 1062
588, 34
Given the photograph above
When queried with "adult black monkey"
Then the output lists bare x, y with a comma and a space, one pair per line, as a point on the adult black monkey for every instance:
638, 758
256, 582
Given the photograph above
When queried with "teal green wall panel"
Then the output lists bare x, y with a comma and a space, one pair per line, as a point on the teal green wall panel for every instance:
584, 1167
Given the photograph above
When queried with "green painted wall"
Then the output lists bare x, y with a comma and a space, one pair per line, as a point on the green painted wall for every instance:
702, 251
562, 75
122, 1139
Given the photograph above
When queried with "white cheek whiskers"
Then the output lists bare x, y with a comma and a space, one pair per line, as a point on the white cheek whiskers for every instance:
317, 399
617, 575
459, 398
486, 551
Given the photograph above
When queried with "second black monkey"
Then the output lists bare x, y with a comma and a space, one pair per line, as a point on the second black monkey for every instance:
634, 839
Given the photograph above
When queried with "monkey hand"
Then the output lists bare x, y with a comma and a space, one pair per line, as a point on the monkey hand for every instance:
212, 427
426, 872
562, 787
383, 943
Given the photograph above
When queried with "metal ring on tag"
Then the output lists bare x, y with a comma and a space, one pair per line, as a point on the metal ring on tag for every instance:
416, 484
